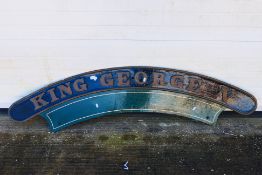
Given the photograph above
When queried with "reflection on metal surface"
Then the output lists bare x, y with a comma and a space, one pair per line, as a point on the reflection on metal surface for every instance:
118, 101
132, 89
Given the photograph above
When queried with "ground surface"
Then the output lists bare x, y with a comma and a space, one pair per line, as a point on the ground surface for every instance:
151, 143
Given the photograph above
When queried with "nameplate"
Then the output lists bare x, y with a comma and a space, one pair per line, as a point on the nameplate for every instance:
132, 79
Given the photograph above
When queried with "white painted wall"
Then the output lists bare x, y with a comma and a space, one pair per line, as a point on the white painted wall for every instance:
42, 41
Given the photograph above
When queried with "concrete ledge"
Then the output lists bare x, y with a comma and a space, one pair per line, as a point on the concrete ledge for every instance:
151, 143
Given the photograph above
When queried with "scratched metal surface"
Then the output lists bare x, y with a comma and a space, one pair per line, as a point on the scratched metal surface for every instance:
151, 143
123, 101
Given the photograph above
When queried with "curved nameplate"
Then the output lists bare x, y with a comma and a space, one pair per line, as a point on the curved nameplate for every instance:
133, 78
130, 100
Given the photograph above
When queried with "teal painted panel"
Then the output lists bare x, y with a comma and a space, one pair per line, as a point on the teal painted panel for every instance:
130, 100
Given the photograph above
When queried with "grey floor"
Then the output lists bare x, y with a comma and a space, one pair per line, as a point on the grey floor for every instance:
151, 143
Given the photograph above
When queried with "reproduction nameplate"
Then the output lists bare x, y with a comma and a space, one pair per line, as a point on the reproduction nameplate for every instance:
132, 89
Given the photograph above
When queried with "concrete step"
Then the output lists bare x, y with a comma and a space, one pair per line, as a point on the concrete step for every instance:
151, 143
